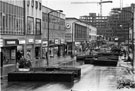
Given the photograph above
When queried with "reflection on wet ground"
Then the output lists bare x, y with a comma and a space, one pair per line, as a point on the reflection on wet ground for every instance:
93, 78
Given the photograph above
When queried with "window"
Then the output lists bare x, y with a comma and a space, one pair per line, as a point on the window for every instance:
32, 3
0, 22
38, 26
40, 6
30, 25
28, 2
3, 23
36, 4
7, 22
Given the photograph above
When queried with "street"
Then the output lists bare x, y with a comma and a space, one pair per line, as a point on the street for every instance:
93, 78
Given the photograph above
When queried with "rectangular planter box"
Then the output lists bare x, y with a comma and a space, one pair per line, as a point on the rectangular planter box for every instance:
60, 76
76, 71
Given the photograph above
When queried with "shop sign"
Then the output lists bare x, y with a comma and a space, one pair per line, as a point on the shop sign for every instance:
22, 41
37, 41
1, 42
45, 43
56, 41
11, 42
30, 40
77, 43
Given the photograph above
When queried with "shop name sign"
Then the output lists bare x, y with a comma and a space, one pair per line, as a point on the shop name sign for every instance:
45, 43
11, 42
31, 40
22, 41
56, 41
38, 41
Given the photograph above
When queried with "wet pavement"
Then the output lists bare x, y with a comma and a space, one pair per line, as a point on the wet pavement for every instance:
93, 78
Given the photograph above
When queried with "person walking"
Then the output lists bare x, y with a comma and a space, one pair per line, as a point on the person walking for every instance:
28, 55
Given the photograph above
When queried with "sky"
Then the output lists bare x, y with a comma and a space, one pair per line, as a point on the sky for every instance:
77, 10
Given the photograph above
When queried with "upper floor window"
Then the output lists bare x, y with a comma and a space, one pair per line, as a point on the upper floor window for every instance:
36, 4
38, 26
30, 25
40, 6
32, 3
1, 22
28, 2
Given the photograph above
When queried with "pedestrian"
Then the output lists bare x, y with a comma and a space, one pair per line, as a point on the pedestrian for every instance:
28, 55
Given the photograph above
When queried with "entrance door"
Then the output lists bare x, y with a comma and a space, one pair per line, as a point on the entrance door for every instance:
37, 52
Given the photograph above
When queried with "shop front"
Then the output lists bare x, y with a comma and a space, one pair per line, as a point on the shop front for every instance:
20, 49
8, 56
30, 49
37, 49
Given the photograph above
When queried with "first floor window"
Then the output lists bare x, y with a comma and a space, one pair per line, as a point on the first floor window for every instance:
38, 26
30, 25
0, 22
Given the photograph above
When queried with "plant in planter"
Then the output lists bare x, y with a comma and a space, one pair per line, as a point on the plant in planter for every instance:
24, 63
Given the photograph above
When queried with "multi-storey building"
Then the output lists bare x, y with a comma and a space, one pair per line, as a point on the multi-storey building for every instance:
120, 23
11, 29
78, 32
56, 31
100, 22
33, 17
23, 28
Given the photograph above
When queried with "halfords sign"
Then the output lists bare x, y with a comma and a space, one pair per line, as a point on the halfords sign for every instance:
11, 42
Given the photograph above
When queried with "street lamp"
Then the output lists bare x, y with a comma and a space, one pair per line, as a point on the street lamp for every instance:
47, 55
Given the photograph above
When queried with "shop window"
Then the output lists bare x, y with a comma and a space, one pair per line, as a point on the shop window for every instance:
44, 51
30, 25
20, 52
37, 52
9, 55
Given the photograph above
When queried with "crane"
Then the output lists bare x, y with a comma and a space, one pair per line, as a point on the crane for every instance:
100, 3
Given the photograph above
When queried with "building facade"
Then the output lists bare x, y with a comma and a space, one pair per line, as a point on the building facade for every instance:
78, 34
56, 21
33, 40
11, 29
24, 29
121, 23
92, 31
100, 22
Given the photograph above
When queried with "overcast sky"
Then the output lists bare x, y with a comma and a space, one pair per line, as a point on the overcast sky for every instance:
76, 10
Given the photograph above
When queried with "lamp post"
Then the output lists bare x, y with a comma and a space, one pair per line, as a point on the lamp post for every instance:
47, 54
